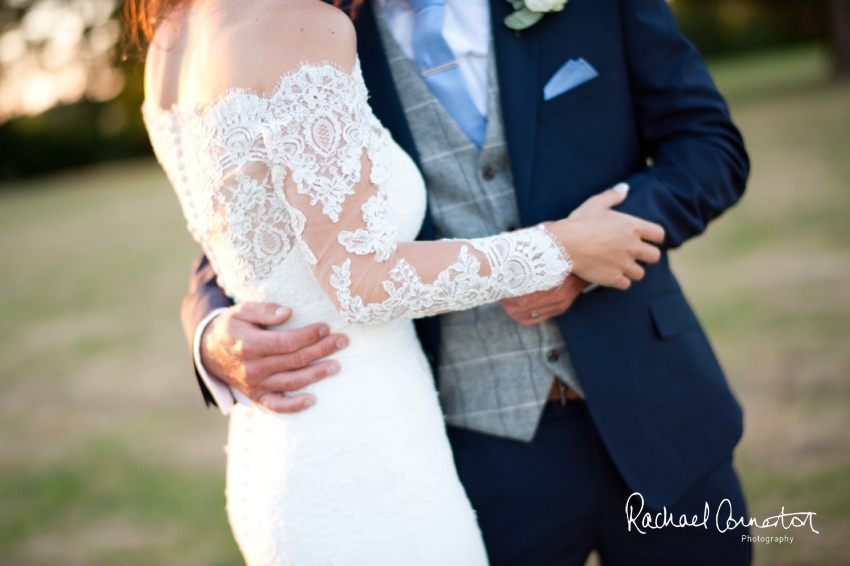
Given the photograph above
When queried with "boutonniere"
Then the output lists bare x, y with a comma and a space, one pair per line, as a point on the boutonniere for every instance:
529, 12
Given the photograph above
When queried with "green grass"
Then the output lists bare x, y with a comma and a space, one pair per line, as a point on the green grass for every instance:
823, 491
754, 76
103, 506
107, 455
771, 282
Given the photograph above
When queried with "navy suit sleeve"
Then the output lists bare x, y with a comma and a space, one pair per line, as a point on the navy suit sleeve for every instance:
700, 163
204, 296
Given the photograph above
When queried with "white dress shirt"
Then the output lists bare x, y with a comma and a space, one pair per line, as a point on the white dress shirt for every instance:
467, 31
223, 394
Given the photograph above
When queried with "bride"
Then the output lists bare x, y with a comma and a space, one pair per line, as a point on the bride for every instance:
258, 113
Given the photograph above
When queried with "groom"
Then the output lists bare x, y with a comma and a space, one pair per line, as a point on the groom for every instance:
562, 405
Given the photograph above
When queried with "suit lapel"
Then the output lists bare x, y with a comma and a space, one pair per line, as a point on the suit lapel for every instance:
516, 61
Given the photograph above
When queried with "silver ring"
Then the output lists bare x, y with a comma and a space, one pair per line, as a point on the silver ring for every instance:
535, 314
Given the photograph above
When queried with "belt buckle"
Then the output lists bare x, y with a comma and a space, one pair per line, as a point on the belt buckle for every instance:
562, 389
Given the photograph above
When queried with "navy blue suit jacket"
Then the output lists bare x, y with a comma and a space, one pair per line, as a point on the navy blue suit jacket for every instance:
652, 383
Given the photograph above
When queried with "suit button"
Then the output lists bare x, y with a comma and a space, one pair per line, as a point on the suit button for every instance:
553, 355
488, 174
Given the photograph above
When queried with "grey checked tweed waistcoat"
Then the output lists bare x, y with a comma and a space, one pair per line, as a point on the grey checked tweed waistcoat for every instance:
495, 374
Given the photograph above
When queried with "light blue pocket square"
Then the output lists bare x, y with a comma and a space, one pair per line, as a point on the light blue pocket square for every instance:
573, 73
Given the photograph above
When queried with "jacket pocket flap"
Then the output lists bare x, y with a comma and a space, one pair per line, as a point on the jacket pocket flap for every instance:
573, 97
672, 315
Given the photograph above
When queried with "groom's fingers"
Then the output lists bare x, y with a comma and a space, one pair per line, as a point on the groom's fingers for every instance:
525, 318
273, 342
291, 382
301, 358
265, 343
280, 403
546, 304
277, 392
262, 314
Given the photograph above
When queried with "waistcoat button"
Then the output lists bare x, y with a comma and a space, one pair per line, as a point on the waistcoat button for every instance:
488, 174
552, 355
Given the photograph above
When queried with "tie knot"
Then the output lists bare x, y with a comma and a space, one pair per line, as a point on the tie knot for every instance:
419, 5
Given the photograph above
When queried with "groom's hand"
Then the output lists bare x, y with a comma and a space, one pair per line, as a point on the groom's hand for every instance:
267, 366
546, 304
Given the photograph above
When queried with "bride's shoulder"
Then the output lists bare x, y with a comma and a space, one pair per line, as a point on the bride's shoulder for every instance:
208, 48
273, 41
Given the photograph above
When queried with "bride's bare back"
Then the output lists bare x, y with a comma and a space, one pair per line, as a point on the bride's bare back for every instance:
208, 47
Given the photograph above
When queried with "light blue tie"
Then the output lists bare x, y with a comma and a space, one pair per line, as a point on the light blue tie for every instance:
439, 68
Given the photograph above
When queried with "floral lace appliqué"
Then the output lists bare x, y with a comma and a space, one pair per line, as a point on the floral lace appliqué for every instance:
234, 160
520, 263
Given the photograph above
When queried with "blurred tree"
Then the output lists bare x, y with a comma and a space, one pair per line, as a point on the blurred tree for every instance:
72, 135
57, 52
839, 14
722, 27
66, 100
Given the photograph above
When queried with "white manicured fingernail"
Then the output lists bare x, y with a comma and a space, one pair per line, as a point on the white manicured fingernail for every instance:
341, 343
622, 188
309, 402
332, 369
281, 311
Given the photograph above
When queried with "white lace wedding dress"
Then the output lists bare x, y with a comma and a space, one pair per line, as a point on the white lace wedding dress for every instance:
302, 198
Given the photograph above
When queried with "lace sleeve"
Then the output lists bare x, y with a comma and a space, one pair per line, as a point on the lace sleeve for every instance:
328, 155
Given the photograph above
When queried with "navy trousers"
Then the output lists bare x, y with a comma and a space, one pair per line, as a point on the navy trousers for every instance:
552, 501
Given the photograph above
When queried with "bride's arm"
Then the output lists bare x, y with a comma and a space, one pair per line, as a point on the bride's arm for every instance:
340, 214
329, 158
323, 151
338, 204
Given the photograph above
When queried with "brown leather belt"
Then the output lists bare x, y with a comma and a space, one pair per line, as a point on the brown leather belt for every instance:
561, 392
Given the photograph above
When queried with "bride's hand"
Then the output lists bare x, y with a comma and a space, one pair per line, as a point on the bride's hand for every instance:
605, 246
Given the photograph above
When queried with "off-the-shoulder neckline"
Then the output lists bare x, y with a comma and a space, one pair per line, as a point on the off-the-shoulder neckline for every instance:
203, 108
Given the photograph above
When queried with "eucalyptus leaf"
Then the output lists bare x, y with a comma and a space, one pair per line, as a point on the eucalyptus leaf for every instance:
517, 4
522, 19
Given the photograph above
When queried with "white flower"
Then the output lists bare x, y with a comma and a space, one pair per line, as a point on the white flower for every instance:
545, 5
528, 12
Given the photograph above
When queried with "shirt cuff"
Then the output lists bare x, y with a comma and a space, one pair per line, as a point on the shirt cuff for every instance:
220, 391
590, 288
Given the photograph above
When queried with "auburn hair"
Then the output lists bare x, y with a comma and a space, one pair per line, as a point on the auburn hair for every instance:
141, 18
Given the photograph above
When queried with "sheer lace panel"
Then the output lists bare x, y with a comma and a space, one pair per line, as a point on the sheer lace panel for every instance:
310, 164
338, 188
